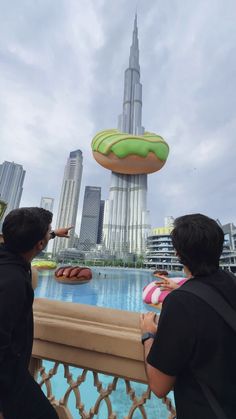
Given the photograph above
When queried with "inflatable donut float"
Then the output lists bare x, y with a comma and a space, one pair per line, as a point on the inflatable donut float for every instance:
41, 265
128, 153
73, 274
153, 295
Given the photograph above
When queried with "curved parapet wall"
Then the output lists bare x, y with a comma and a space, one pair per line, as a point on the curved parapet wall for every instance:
128, 153
73, 274
97, 340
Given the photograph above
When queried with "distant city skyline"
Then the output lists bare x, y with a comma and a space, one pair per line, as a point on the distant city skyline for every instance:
61, 82
12, 177
69, 199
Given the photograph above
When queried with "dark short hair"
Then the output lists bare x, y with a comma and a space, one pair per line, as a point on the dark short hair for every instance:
24, 227
198, 241
161, 272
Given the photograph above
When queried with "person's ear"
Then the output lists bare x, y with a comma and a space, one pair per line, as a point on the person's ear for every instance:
40, 246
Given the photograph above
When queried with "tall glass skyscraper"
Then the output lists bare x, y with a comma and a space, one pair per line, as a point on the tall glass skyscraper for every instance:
126, 219
90, 218
12, 177
69, 199
100, 222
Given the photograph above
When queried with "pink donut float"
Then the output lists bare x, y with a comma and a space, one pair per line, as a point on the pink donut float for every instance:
152, 294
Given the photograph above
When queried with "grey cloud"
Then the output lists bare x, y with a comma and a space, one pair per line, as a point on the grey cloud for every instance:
62, 69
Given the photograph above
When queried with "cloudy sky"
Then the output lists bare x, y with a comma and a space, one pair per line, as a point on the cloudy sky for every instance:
62, 65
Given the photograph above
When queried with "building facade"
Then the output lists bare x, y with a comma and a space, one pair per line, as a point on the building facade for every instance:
100, 222
90, 218
126, 219
70, 255
169, 221
228, 257
12, 177
69, 199
47, 203
160, 253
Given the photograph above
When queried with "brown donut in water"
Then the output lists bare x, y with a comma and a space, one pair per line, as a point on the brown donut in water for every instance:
85, 273
74, 272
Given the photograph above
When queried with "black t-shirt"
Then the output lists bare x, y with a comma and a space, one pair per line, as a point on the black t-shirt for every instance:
192, 339
16, 323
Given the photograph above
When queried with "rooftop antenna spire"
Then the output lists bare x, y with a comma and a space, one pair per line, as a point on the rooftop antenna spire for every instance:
135, 18
130, 121
134, 49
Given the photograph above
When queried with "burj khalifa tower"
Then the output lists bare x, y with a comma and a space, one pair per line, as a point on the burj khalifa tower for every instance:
126, 223
130, 153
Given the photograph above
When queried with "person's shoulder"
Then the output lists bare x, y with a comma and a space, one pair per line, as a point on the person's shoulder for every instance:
179, 308
178, 297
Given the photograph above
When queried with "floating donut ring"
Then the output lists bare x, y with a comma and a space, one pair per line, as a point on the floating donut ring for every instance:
41, 265
128, 153
73, 275
153, 295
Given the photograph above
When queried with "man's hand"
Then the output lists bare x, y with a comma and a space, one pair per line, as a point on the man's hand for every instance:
1, 416
159, 382
148, 322
166, 284
62, 232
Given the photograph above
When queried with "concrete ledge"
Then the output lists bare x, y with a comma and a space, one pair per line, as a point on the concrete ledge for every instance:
99, 339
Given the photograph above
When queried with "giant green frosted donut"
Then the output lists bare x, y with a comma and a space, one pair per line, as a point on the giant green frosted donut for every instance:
44, 264
128, 153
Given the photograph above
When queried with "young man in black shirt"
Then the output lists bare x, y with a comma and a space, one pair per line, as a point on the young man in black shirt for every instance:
26, 232
192, 350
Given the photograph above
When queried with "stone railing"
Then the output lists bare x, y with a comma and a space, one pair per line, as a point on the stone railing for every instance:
97, 346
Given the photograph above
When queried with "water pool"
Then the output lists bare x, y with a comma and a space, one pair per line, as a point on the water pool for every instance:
114, 288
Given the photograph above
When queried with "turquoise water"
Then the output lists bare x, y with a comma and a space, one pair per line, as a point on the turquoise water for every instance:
114, 288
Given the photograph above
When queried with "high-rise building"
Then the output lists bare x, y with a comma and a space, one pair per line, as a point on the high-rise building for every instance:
69, 199
131, 154
126, 223
228, 256
169, 221
100, 222
11, 185
47, 203
160, 253
90, 218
